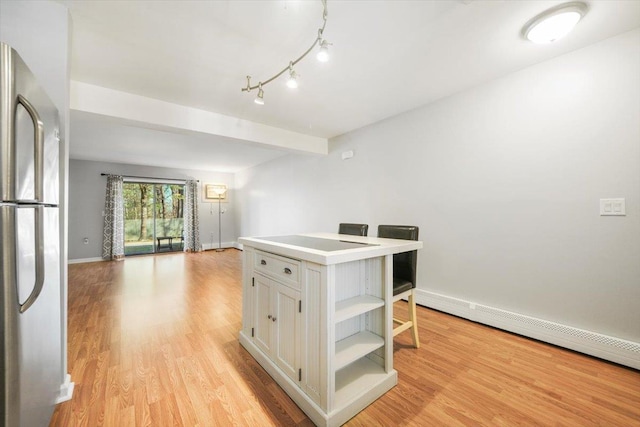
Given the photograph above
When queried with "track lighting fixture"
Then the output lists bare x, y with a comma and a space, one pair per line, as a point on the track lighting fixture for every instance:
292, 81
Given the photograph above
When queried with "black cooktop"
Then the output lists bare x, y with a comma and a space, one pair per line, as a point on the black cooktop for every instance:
327, 245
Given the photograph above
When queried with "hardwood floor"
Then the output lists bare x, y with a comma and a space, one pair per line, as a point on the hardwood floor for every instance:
154, 341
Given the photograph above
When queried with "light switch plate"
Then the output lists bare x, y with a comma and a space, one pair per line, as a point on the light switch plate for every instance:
612, 207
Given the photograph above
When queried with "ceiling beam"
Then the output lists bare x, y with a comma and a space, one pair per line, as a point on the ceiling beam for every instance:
151, 112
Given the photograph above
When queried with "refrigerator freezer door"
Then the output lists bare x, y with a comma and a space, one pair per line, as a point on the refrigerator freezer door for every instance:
26, 253
30, 253
40, 337
31, 351
9, 403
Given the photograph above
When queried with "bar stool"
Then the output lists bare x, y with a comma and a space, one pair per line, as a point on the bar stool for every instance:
353, 229
404, 276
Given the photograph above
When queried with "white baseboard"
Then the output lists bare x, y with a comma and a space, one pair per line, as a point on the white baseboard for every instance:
81, 260
66, 390
603, 346
225, 245
205, 247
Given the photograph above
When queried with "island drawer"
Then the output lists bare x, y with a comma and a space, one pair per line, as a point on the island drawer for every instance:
283, 269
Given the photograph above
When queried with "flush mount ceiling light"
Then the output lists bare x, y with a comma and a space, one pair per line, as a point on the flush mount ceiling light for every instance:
292, 81
554, 23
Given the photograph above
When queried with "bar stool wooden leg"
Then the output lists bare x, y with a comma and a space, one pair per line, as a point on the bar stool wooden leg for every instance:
413, 318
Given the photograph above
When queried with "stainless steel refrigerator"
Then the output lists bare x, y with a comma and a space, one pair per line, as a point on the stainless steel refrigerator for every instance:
31, 344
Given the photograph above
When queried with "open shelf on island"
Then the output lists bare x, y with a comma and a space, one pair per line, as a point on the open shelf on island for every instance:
355, 306
363, 374
356, 346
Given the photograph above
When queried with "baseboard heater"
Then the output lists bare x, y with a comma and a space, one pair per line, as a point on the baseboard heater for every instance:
592, 343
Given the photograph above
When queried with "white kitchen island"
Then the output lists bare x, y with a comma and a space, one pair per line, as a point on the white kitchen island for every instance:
317, 314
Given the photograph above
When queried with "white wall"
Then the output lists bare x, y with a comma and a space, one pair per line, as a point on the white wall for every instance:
504, 181
86, 201
39, 32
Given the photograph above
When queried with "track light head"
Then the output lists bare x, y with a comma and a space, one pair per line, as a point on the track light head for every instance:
292, 81
260, 98
323, 53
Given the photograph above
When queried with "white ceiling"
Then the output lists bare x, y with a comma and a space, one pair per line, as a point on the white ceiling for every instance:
112, 140
387, 57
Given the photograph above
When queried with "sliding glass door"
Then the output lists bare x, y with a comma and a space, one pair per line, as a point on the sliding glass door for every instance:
154, 217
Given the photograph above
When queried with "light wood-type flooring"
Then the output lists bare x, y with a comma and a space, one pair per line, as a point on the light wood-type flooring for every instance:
153, 341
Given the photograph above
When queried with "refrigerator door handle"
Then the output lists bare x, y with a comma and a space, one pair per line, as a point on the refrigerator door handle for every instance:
39, 258
38, 142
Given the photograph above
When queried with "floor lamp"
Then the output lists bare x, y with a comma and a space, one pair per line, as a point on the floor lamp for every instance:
219, 191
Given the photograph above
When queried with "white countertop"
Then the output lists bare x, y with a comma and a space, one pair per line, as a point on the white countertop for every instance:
383, 247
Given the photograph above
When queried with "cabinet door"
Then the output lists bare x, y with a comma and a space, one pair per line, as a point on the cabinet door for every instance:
287, 330
248, 291
263, 314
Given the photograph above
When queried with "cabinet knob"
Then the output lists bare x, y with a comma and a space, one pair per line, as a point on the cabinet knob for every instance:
269, 317
287, 270
263, 262
274, 319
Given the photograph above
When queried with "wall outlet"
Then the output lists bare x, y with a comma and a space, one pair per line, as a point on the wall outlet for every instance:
612, 207
347, 155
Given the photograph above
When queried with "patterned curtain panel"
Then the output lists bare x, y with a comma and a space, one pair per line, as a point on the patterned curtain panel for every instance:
113, 234
191, 224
